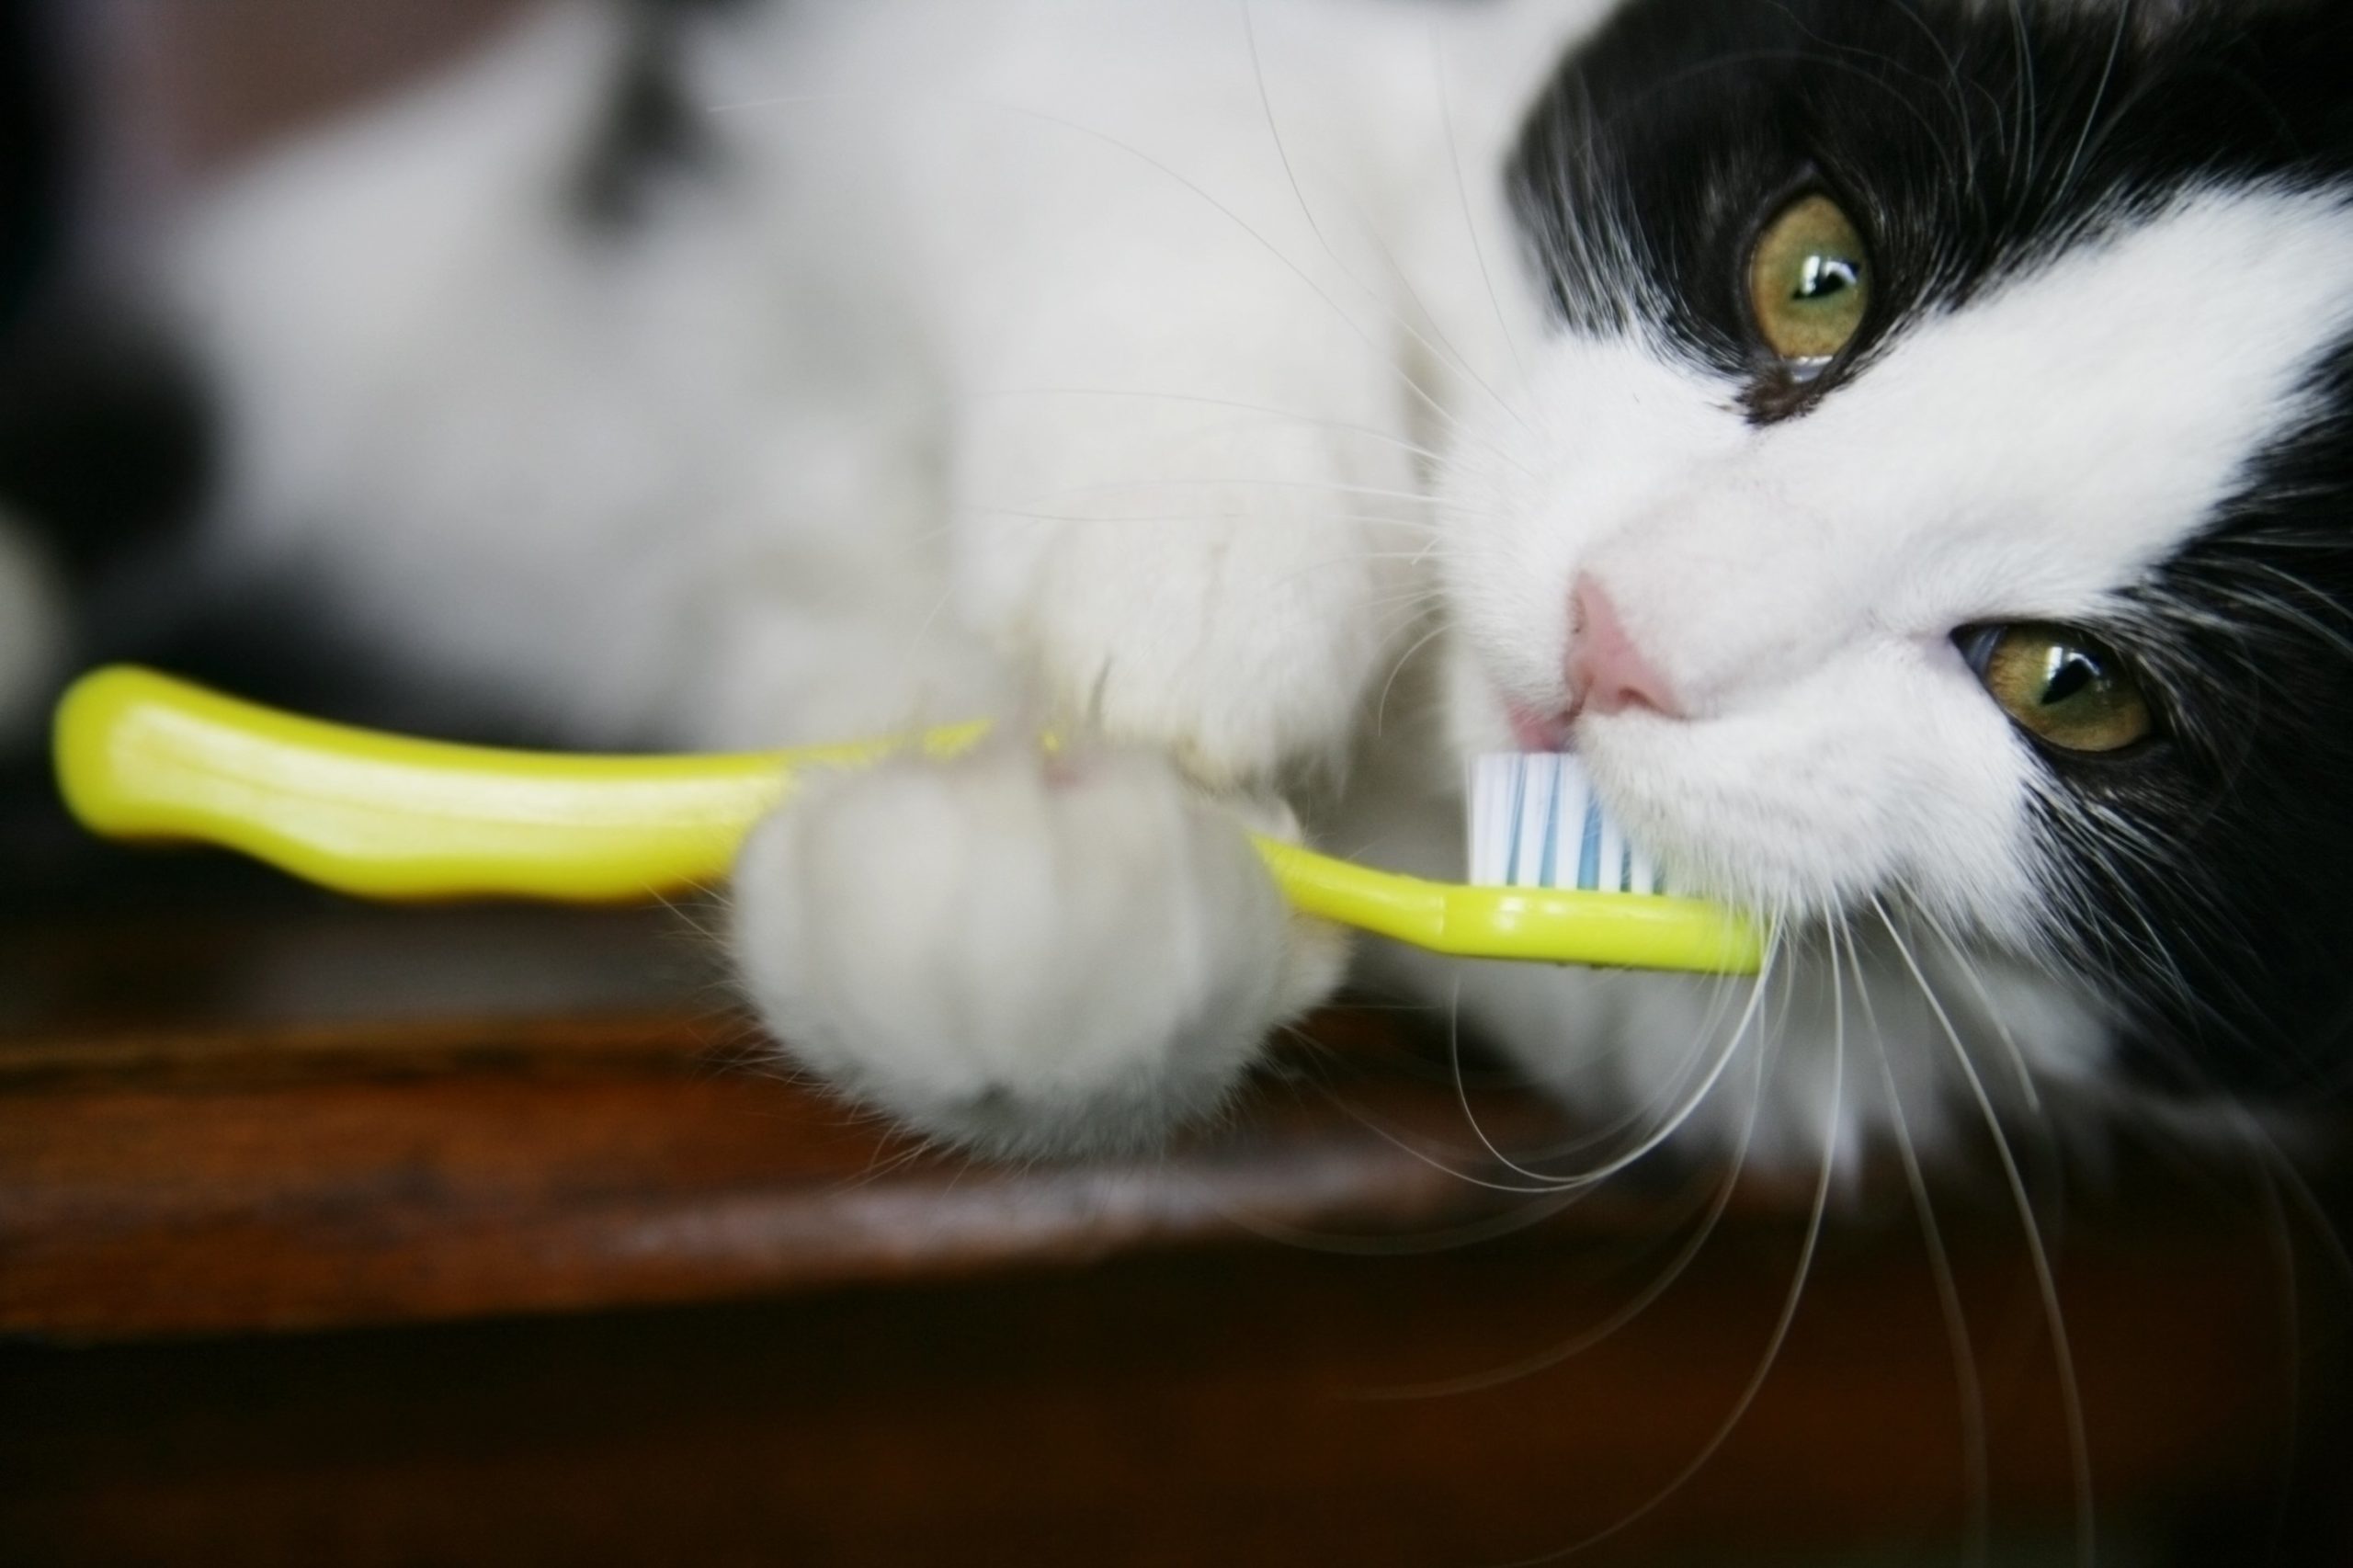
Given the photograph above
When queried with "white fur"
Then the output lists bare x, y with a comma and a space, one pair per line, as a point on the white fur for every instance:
1023, 954
1010, 354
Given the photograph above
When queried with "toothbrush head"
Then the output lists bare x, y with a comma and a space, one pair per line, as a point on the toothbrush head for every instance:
1536, 822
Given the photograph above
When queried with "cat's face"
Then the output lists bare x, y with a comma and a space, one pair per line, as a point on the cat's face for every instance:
1935, 487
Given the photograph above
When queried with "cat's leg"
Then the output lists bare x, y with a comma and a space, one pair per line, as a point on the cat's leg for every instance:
1194, 541
1178, 472
1019, 952
1022, 953
1029, 954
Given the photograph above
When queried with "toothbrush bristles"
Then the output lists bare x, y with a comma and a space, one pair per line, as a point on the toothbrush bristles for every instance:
1535, 821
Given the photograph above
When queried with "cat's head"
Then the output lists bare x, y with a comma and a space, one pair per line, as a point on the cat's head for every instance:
1934, 484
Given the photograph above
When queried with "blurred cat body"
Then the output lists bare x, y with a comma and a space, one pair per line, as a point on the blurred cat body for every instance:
1299, 396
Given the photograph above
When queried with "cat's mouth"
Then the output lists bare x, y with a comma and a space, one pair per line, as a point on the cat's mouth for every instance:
1535, 730
1736, 814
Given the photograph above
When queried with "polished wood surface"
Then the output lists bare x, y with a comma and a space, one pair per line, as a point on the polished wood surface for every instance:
335, 1234
545, 1109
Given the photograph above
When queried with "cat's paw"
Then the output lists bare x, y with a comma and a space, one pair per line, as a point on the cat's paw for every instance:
1019, 954
1242, 683
1222, 597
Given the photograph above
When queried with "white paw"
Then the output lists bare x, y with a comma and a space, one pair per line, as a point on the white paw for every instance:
1020, 955
1241, 681
1224, 597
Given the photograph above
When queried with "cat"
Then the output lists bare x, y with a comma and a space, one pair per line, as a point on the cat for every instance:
1905, 449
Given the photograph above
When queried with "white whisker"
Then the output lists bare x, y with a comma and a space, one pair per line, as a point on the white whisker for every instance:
1975, 1459
1779, 1337
1626, 1315
2046, 1276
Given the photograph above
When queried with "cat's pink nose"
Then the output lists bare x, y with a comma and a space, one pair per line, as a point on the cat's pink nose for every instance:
1606, 673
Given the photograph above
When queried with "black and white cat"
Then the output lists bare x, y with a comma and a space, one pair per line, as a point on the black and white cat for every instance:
1905, 448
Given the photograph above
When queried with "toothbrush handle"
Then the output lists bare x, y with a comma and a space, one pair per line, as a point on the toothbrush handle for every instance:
143, 756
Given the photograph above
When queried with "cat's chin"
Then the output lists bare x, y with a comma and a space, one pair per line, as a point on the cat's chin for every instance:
1858, 1036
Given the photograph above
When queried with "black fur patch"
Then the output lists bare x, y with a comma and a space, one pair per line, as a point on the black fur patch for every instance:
2236, 940
107, 436
2207, 880
104, 426
32, 159
650, 130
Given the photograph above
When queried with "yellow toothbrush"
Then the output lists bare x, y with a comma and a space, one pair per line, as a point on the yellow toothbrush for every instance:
143, 756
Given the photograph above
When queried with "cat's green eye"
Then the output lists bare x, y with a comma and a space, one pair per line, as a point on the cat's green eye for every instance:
1809, 282
2061, 687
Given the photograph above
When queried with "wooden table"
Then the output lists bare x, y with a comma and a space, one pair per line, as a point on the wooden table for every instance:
339, 1234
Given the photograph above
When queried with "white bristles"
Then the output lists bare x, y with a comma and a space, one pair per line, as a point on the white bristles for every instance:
1536, 823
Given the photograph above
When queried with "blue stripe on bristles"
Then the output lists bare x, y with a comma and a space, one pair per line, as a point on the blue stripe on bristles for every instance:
1481, 825
1575, 845
1547, 869
1511, 853
1539, 801
1589, 851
